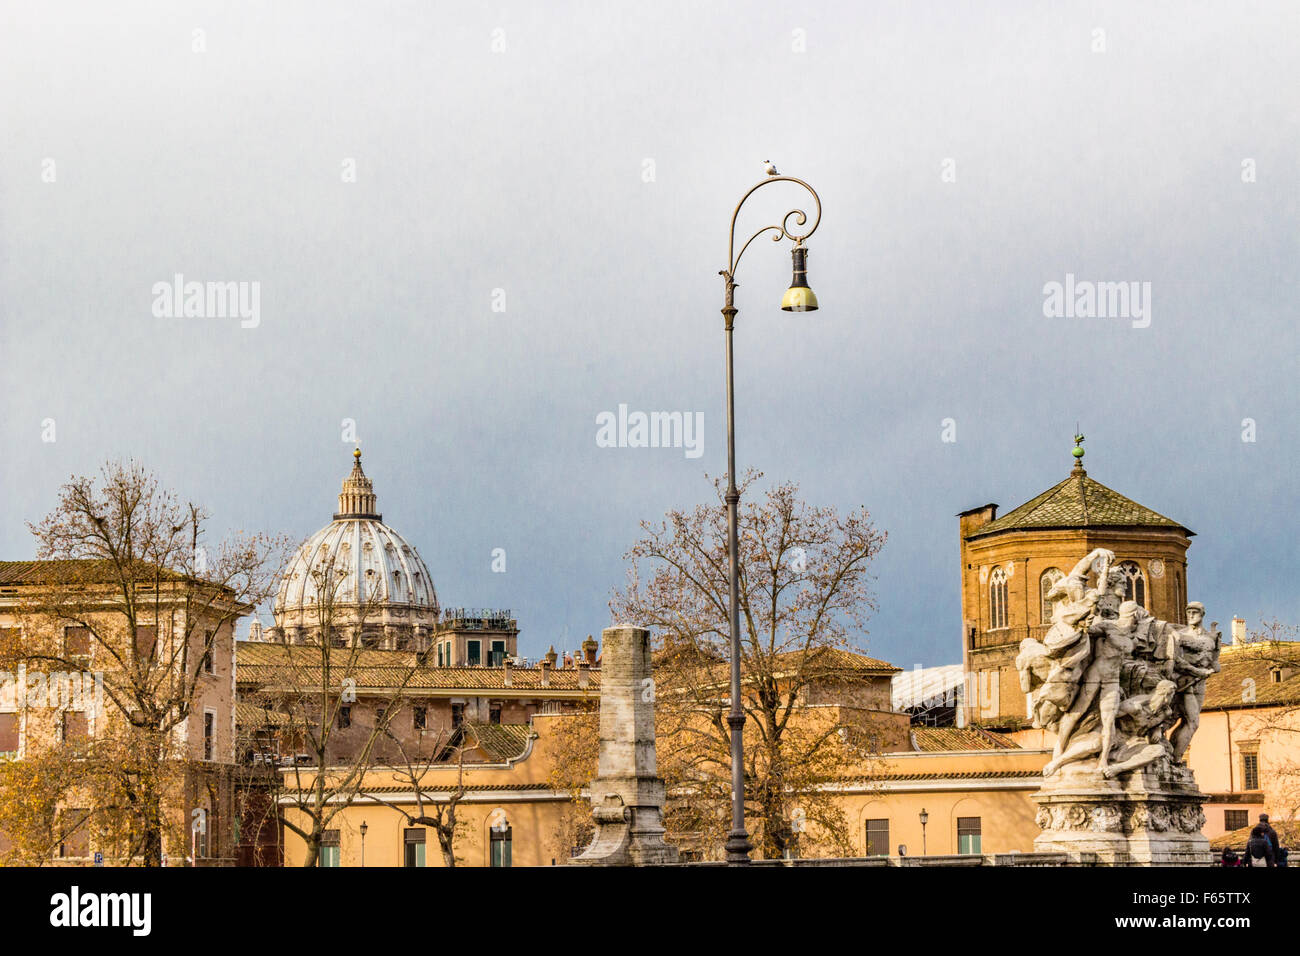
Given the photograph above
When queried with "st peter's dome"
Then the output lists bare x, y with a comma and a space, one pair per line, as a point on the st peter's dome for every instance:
382, 588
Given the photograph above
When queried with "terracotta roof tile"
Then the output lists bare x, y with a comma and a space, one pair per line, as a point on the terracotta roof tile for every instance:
938, 739
269, 663
1249, 667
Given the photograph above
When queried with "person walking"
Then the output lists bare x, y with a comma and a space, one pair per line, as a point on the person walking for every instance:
1271, 834
1259, 848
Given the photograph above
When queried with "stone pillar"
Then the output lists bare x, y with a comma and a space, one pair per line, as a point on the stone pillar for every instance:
627, 797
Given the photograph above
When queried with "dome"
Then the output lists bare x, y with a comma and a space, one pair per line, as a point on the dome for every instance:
382, 582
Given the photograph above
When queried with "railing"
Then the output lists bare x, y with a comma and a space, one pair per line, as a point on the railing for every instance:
477, 619
1003, 636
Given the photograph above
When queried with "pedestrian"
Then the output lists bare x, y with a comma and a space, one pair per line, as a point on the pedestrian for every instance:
1229, 857
1270, 833
1259, 848
1282, 854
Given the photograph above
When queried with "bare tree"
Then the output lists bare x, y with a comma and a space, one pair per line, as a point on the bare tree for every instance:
1269, 684
804, 599
312, 683
129, 582
435, 805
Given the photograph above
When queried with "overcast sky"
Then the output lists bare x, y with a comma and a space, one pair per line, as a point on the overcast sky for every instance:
585, 159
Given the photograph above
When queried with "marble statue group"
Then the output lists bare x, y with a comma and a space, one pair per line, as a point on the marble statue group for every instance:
1121, 689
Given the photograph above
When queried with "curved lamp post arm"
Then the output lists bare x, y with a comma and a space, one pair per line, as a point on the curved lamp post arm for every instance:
782, 230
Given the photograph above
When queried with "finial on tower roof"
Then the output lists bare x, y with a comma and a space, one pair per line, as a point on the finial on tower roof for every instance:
1078, 453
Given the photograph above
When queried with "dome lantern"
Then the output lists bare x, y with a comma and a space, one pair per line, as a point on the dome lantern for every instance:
357, 499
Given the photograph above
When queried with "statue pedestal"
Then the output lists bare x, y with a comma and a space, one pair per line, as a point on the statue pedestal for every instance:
1149, 817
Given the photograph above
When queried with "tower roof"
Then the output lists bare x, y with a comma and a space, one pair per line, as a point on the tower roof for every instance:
1078, 502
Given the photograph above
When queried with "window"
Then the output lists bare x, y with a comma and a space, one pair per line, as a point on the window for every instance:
76, 641
329, 849
209, 733
500, 855
1135, 584
497, 656
440, 663
997, 599
201, 837
420, 717
75, 833
457, 715
74, 726
1045, 585
1236, 819
380, 714
413, 840
1180, 599
208, 666
473, 652
494, 714
968, 835
8, 733
345, 717
1250, 771
146, 640
877, 838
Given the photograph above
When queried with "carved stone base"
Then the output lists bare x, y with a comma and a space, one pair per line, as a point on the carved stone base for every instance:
626, 836
1149, 817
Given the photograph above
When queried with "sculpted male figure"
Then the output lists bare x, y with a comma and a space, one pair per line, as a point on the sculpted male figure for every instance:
1112, 646
1051, 669
1141, 719
1193, 656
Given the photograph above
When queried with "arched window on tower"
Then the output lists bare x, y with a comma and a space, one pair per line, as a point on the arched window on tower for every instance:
997, 599
1135, 584
1045, 584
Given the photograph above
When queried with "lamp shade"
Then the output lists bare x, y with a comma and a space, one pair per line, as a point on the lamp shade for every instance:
799, 297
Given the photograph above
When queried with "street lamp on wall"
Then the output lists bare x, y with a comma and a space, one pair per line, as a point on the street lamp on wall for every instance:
925, 818
798, 298
363, 828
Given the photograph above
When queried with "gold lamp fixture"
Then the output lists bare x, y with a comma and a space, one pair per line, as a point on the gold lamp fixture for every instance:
799, 297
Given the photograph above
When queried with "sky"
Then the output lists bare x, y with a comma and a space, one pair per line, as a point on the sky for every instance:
473, 228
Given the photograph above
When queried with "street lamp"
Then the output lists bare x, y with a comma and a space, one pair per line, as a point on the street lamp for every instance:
363, 829
925, 817
798, 298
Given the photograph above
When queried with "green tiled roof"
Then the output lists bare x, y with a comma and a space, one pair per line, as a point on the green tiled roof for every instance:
501, 742
1078, 502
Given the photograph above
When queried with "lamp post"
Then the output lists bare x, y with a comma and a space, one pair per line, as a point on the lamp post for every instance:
925, 817
363, 829
798, 298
